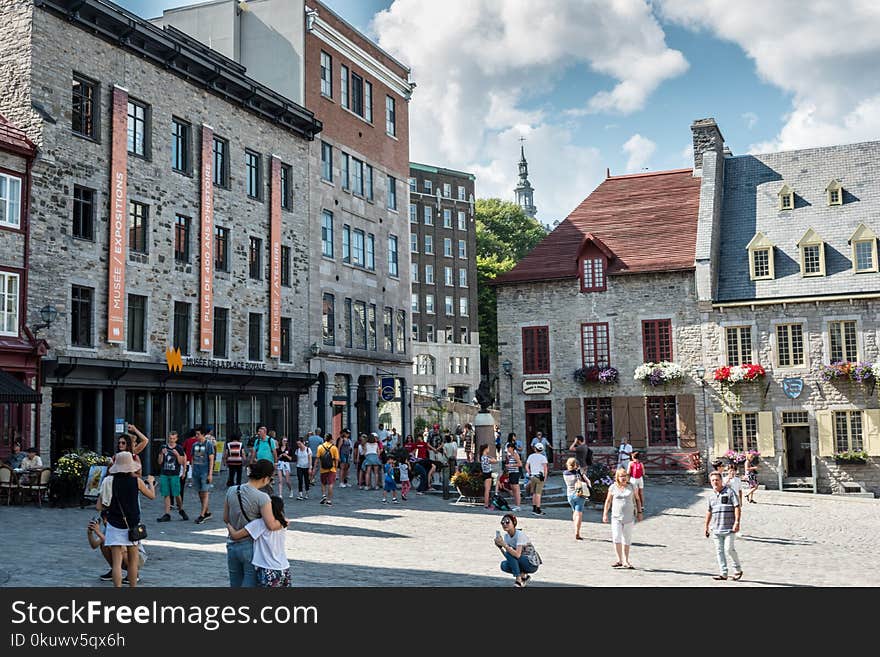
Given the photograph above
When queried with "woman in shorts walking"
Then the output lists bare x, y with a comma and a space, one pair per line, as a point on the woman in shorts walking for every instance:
577, 488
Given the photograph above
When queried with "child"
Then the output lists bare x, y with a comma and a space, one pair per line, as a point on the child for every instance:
270, 556
390, 484
404, 479
636, 472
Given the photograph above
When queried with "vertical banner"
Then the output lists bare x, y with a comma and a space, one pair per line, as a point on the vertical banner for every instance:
275, 261
206, 276
118, 217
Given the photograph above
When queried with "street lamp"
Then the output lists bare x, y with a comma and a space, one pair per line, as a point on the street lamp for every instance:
48, 314
701, 375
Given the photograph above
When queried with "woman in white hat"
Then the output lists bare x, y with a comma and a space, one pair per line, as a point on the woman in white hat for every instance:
123, 513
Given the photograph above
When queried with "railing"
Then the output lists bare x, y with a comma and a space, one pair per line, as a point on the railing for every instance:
654, 462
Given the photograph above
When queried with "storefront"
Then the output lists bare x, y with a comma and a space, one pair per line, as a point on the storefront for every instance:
19, 361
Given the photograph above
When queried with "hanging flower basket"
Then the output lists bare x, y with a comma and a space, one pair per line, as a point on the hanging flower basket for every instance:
864, 373
738, 458
601, 375
734, 374
659, 374
851, 458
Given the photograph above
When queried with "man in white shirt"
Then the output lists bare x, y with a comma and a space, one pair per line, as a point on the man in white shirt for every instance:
624, 452
537, 468
382, 434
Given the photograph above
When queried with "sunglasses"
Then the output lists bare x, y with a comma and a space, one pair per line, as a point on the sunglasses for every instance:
505, 522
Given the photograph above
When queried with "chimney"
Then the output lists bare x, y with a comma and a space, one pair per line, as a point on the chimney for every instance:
707, 137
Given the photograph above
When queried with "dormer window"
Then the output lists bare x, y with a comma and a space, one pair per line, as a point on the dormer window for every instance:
834, 193
761, 262
786, 198
593, 275
864, 250
812, 254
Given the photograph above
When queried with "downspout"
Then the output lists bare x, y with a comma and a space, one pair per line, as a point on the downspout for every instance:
27, 256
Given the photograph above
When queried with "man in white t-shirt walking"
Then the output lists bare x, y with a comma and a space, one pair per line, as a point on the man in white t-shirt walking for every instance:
537, 468
624, 453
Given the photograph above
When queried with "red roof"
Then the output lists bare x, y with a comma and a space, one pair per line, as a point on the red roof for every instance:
13, 138
647, 220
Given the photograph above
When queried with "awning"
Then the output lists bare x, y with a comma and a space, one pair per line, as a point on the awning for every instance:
13, 391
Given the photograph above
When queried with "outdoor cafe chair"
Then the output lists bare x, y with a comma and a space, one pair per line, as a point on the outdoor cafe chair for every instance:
39, 484
8, 482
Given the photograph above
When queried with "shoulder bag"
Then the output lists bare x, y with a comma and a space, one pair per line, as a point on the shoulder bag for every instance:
135, 534
530, 553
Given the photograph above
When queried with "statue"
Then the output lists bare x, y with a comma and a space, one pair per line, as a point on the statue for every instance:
483, 396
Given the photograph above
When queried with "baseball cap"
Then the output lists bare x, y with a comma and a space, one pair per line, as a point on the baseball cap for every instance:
539, 447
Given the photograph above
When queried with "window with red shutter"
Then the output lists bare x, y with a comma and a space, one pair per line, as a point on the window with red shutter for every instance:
595, 349
536, 350
657, 338
593, 275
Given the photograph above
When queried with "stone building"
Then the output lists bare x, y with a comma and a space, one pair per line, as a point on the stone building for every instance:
169, 227
442, 233
358, 291
787, 277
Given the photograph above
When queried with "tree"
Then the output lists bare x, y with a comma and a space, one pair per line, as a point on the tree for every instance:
505, 234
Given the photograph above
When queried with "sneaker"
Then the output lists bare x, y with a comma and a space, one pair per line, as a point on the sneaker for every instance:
125, 579
183, 515
323, 500
164, 518
300, 497
403, 497
291, 495
514, 508
343, 486
305, 496
107, 577
394, 500
525, 579
328, 503
384, 501
208, 515
200, 520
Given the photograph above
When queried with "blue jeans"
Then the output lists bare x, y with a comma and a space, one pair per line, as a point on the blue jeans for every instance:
516, 566
238, 560
420, 470
727, 541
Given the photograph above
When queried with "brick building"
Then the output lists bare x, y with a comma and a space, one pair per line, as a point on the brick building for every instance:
170, 212
443, 243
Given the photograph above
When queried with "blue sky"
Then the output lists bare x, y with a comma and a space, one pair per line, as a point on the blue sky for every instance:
591, 84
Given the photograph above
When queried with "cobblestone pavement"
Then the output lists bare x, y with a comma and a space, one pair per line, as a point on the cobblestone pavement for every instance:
788, 539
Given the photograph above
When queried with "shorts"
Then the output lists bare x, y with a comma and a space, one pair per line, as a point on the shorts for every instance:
537, 486
345, 458
371, 459
513, 478
637, 482
328, 478
283, 467
577, 503
487, 475
169, 485
200, 479
273, 579
390, 485
621, 532
116, 536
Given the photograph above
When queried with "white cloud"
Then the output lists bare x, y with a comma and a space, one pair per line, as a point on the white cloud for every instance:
823, 53
482, 67
639, 151
750, 118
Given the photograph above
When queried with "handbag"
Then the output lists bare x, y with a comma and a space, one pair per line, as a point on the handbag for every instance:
137, 533
531, 554
581, 489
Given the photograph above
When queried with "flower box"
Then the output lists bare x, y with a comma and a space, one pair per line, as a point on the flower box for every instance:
659, 374
861, 372
738, 458
733, 374
851, 458
601, 375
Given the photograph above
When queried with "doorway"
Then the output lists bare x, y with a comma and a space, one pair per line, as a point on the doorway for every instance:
797, 451
539, 417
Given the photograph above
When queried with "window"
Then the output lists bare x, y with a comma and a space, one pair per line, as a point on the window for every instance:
357, 94
327, 233
390, 117
286, 187
221, 330
790, 345
392, 193
392, 256
345, 171
371, 252
464, 337
424, 365
462, 249
401, 331
786, 198
10, 201
461, 194
448, 277
842, 340
343, 86
221, 162
848, 431
864, 249
427, 186
447, 247
328, 320
462, 277
181, 138
221, 248
347, 325
415, 332
357, 248
326, 162
429, 333
595, 348
429, 274
413, 243
181, 238
414, 299
9, 303
181, 327
812, 254
447, 190
835, 193
83, 211
593, 279
739, 345
84, 113
253, 167
388, 329
326, 74
412, 184
368, 101
429, 215
286, 354
662, 421
137, 227
357, 176
795, 417
462, 220
255, 337
448, 334
761, 263
368, 181
414, 272
463, 306
449, 306
811, 260
413, 213
598, 421
744, 431
657, 339
360, 325
429, 304
285, 266
137, 128
447, 218
255, 259
536, 350
346, 243
429, 245
760, 258
82, 307
137, 311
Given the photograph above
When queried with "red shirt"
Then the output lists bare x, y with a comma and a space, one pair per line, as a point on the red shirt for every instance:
421, 450
636, 469
188, 448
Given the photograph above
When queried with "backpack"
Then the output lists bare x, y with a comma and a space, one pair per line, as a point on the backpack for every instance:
589, 458
500, 503
327, 458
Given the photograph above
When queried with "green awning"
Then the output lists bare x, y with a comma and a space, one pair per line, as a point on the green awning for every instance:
13, 391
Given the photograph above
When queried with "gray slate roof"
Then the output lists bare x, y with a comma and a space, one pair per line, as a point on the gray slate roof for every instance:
750, 205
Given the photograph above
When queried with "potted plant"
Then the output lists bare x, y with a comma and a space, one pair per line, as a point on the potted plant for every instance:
468, 481
739, 458
69, 476
659, 374
600, 477
860, 372
593, 374
733, 374
851, 457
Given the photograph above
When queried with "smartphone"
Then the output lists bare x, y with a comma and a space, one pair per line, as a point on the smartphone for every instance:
497, 533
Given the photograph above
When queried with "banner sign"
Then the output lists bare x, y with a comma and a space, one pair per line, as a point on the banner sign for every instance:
118, 217
275, 262
387, 388
206, 279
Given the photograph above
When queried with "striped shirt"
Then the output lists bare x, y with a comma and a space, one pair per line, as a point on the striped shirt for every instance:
512, 465
721, 506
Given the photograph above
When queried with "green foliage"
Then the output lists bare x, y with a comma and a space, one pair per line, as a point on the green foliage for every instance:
76, 464
505, 234
420, 425
851, 457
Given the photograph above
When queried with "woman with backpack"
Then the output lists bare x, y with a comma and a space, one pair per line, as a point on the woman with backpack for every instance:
577, 487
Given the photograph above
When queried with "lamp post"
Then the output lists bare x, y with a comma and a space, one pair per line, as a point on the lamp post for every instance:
507, 368
48, 314
701, 375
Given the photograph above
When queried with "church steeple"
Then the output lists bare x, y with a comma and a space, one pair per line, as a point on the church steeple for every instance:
524, 191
